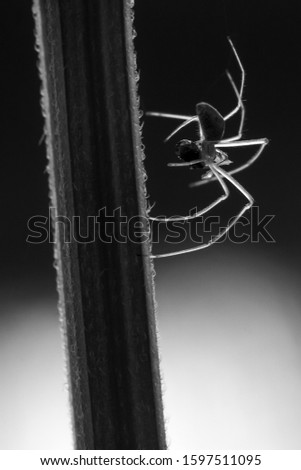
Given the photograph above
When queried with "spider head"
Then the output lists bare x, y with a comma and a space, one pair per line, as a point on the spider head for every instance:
187, 150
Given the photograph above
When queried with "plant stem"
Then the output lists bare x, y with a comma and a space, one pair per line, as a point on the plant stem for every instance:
88, 73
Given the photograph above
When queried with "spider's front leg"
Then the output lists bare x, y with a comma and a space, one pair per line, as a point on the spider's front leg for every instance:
187, 120
181, 117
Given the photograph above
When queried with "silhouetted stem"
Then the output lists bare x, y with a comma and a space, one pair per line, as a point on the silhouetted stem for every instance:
88, 73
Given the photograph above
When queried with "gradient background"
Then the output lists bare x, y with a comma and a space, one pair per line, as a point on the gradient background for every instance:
229, 317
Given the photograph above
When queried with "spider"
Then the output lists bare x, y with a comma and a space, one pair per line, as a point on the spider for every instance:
206, 154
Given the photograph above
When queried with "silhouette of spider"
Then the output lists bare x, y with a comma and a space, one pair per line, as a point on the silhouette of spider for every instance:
206, 154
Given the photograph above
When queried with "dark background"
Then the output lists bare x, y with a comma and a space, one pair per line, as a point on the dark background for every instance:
182, 57
229, 316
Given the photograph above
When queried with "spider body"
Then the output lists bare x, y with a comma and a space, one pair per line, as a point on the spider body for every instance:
205, 153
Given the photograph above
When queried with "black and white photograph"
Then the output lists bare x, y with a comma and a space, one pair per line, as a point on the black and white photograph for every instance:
150, 257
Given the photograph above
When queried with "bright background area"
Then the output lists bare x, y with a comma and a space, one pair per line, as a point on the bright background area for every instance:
33, 398
231, 352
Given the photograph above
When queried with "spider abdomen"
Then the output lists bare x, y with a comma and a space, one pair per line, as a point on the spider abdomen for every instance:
211, 121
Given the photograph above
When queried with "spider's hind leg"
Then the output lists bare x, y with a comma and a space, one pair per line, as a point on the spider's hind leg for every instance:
203, 211
222, 173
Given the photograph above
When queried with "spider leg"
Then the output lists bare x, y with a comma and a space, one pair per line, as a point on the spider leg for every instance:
242, 83
261, 142
235, 183
203, 211
192, 162
242, 143
167, 115
251, 160
177, 129
214, 168
240, 106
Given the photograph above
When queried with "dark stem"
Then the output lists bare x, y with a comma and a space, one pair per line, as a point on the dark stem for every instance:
95, 166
